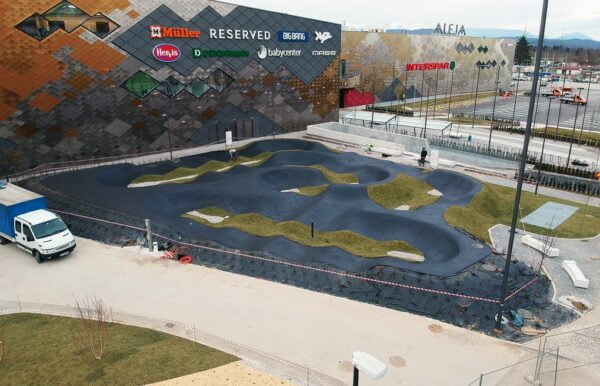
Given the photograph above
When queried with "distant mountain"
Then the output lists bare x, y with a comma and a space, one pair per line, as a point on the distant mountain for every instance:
572, 40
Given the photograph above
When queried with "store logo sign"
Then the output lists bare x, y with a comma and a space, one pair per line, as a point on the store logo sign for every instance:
238, 34
324, 53
199, 53
293, 36
322, 37
449, 29
264, 52
430, 66
166, 53
160, 32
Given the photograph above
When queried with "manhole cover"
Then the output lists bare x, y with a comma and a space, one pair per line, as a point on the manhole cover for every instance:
477, 246
435, 328
346, 366
397, 361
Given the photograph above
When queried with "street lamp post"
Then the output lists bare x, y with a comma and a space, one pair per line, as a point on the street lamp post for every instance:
494, 108
450, 99
572, 135
587, 97
560, 107
427, 106
169, 135
476, 92
422, 87
516, 207
436, 90
516, 93
541, 162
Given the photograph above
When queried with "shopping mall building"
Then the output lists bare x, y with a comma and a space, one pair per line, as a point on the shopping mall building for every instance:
86, 79
384, 67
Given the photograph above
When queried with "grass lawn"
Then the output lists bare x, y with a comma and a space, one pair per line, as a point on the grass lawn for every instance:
210, 166
40, 349
402, 190
469, 121
259, 225
440, 103
494, 205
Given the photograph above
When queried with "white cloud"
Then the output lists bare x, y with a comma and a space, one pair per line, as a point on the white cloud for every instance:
563, 15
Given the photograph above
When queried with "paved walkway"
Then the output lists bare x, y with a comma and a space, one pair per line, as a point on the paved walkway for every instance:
307, 328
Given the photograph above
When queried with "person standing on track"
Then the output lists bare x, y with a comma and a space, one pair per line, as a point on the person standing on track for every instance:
423, 156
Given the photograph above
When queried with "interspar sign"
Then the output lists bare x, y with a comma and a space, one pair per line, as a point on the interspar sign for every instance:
166, 53
430, 66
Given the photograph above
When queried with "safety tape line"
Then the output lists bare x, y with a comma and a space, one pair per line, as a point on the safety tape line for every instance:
521, 289
296, 265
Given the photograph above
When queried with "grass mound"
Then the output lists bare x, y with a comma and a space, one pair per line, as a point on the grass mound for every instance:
402, 190
494, 205
40, 349
336, 178
354, 243
312, 190
210, 166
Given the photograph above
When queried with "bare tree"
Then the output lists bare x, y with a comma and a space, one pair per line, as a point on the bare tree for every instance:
92, 326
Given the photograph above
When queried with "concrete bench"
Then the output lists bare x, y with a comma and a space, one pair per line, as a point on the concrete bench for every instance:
579, 280
540, 246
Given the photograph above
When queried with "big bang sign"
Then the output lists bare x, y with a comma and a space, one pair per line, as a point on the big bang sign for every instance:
430, 66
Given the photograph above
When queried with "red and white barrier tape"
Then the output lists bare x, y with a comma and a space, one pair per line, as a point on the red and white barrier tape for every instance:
300, 266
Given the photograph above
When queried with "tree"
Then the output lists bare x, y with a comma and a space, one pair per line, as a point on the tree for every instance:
522, 52
91, 329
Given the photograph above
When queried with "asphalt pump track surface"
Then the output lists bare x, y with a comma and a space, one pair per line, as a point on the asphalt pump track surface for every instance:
454, 261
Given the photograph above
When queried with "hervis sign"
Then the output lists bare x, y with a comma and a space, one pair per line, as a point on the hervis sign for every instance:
166, 53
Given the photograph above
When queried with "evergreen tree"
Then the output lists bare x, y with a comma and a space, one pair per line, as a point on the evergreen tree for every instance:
522, 54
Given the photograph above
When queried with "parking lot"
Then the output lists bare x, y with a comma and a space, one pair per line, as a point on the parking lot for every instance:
589, 117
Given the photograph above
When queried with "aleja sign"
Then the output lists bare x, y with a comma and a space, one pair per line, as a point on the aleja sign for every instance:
430, 66
166, 53
160, 32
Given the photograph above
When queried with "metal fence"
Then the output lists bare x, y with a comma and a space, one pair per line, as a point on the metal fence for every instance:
570, 358
279, 367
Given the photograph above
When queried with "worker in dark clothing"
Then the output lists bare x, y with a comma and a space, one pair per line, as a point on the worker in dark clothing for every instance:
423, 156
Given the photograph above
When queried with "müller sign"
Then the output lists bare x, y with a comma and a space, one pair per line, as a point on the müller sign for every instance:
430, 66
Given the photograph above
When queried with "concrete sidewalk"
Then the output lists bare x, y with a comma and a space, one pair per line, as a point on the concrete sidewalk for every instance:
304, 327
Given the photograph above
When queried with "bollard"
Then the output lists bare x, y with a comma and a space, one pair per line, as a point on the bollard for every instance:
149, 236
312, 229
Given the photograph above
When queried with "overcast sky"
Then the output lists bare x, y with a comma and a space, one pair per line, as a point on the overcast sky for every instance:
564, 16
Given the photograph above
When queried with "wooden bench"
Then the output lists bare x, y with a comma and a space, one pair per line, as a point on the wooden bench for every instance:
579, 280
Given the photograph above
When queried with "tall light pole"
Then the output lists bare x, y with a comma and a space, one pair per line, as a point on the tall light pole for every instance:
427, 106
479, 65
422, 87
169, 135
560, 105
572, 136
513, 225
450, 99
516, 92
436, 90
494, 108
539, 174
587, 98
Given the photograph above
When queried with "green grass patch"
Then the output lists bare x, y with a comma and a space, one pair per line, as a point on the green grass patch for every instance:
210, 166
312, 190
354, 243
494, 205
402, 190
440, 103
40, 349
336, 178
215, 211
469, 121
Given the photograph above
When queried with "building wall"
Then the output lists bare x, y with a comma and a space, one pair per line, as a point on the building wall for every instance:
381, 59
78, 91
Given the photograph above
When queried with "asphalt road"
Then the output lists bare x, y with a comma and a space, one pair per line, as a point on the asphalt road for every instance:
505, 108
